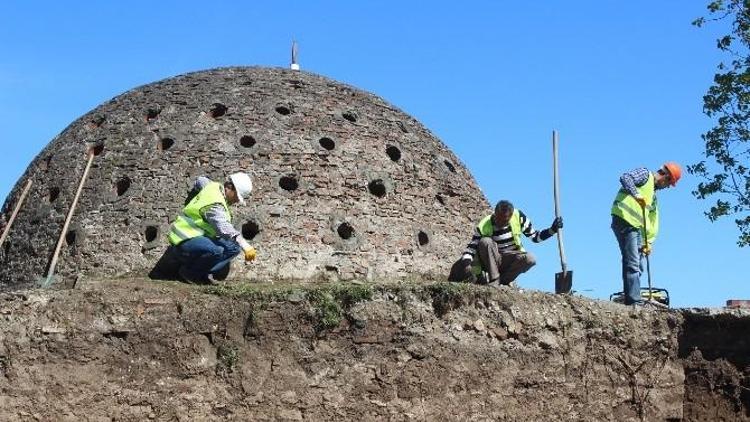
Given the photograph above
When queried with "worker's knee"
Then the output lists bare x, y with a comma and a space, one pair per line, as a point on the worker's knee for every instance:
529, 260
487, 244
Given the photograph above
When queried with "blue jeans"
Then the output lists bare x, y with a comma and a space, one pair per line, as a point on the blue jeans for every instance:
201, 256
629, 239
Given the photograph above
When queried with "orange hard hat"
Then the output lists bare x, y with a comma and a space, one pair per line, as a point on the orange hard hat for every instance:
674, 171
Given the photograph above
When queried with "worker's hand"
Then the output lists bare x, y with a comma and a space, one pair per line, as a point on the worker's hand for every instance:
248, 250
557, 224
249, 254
646, 249
641, 201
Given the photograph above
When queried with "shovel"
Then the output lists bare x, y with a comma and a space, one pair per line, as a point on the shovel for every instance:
564, 279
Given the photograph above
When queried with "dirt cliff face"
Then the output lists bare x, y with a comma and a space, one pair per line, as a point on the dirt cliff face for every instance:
137, 350
345, 185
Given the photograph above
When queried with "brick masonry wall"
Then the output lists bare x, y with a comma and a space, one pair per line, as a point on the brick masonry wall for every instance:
345, 185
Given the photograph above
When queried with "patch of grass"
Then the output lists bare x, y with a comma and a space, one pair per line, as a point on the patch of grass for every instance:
327, 310
253, 292
351, 294
227, 356
331, 303
448, 296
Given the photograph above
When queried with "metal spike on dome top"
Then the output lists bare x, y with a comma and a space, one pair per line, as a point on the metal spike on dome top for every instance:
295, 65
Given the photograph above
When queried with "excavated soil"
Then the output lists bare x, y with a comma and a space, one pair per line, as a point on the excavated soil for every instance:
134, 349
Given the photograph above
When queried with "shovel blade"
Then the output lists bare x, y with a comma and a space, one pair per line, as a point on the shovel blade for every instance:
563, 282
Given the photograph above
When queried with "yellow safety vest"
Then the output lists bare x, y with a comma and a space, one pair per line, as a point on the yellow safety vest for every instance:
486, 229
626, 207
189, 223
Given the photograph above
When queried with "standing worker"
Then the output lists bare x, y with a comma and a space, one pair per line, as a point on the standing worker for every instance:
202, 233
496, 249
638, 193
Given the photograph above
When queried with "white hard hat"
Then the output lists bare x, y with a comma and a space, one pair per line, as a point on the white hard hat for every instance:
243, 185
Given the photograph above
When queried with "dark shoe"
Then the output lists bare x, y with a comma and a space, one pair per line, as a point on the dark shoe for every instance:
212, 280
481, 278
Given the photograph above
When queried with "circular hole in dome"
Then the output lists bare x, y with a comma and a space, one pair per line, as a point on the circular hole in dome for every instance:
166, 143
247, 141
288, 183
377, 188
283, 110
350, 116
345, 230
327, 143
218, 110
393, 153
122, 186
250, 229
423, 238
450, 166
150, 233
97, 149
54, 192
152, 114
70, 237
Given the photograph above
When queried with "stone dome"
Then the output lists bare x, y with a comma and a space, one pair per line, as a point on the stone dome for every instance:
345, 185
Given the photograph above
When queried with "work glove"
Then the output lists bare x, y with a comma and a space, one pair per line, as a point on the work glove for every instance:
646, 249
557, 224
249, 254
248, 250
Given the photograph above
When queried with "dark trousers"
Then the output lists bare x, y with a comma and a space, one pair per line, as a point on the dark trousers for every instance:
201, 256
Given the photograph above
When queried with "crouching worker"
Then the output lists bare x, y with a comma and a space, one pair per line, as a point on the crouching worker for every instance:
203, 235
495, 254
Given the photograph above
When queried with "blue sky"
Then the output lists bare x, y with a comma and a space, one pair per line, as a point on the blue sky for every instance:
622, 82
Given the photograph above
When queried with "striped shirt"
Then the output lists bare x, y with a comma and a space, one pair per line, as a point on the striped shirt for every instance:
215, 214
633, 179
504, 237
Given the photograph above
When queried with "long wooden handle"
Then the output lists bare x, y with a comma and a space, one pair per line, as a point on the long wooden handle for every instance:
64, 231
15, 211
645, 242
557, 202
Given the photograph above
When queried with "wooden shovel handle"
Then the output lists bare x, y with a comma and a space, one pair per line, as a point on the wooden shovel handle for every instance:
64, 231
15, 211
563, 263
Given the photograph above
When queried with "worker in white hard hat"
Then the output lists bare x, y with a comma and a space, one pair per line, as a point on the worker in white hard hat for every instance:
203, 234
